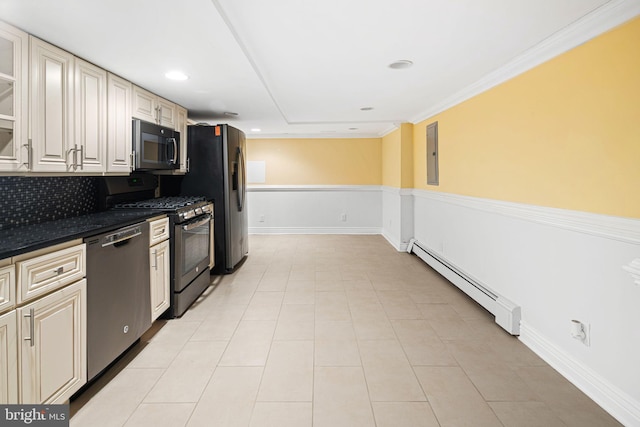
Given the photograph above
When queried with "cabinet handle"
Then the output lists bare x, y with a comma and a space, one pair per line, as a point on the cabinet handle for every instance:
82, 157
73, 164
59, 270
188, 163
132, 156
155, 259
159, 232
31, 317
29, 153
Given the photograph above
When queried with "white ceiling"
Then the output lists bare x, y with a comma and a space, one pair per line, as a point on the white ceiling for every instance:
300, 67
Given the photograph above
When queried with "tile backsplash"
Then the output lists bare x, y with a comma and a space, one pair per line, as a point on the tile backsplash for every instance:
32, 200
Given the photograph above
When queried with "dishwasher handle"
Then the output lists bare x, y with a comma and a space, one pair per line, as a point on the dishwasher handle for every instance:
121, 236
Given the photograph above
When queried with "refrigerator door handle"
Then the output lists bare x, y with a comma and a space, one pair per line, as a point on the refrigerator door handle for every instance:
242, 185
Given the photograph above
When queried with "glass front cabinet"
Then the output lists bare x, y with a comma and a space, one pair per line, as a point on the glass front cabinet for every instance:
15, 150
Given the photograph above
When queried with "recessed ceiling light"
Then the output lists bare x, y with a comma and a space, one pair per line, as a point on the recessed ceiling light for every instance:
255, 130
353, 128
401, 64
176, 75
366, 109
230, 113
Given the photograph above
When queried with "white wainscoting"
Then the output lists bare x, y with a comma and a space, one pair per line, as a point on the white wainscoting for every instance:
397, 216
558, 265
312, 209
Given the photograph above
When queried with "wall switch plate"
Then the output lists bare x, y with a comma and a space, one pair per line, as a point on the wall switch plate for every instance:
343, 217
261, 218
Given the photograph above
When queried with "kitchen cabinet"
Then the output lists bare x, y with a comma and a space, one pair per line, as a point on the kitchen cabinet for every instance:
38, 275
14, 93
7, 287
89, 151
51, 107
181, 126
8, 338
8, 359
52, 349
51, 323
159, 260
152, 108
119, 128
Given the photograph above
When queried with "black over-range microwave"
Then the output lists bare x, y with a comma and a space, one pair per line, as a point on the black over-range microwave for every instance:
155, 147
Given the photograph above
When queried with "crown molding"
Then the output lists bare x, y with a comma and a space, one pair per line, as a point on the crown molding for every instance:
602, 19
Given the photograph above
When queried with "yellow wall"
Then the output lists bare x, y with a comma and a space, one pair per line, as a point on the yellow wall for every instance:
406, 153
391, 155
356, 161
397, 157
565, 134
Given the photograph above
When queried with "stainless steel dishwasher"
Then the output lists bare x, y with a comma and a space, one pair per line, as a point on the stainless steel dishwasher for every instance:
118, 293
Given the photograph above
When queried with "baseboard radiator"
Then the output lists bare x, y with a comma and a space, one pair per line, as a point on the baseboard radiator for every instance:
507, 314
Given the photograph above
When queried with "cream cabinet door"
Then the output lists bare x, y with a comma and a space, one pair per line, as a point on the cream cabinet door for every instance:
52, 346
7, 287
181, 126
119, 128
51, 109
167, 113
8, 359
145, 105
160, 291
90, 148
14, 94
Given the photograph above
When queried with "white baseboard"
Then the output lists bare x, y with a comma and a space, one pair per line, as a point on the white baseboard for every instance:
400, 247
314, 230
620, 405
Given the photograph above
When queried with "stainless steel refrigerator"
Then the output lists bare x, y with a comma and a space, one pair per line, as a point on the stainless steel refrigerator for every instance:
217, 170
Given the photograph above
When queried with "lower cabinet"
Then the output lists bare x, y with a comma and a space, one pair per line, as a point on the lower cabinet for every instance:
52, 345
8, 359
159, 262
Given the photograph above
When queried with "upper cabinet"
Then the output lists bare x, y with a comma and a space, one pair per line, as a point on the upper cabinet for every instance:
51, 108
181, 126
90, 118
152, 108
119, 127
60, 114
14, 93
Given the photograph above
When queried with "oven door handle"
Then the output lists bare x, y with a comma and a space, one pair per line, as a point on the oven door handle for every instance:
196, 224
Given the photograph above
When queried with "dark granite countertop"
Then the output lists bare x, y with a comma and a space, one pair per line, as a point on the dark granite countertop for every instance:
19, 240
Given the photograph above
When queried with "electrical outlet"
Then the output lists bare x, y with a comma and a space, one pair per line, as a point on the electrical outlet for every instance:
343, 217
261, 218
581, 331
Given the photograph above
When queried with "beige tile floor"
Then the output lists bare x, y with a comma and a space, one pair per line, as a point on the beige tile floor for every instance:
331, 331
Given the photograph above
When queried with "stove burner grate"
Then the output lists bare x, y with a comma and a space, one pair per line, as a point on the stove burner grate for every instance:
162, 203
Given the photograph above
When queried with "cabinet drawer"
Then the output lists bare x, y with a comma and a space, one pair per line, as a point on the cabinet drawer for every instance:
40, 275
159, 231
7, 287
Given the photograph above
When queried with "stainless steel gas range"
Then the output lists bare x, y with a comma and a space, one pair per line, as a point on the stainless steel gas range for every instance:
190, 219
